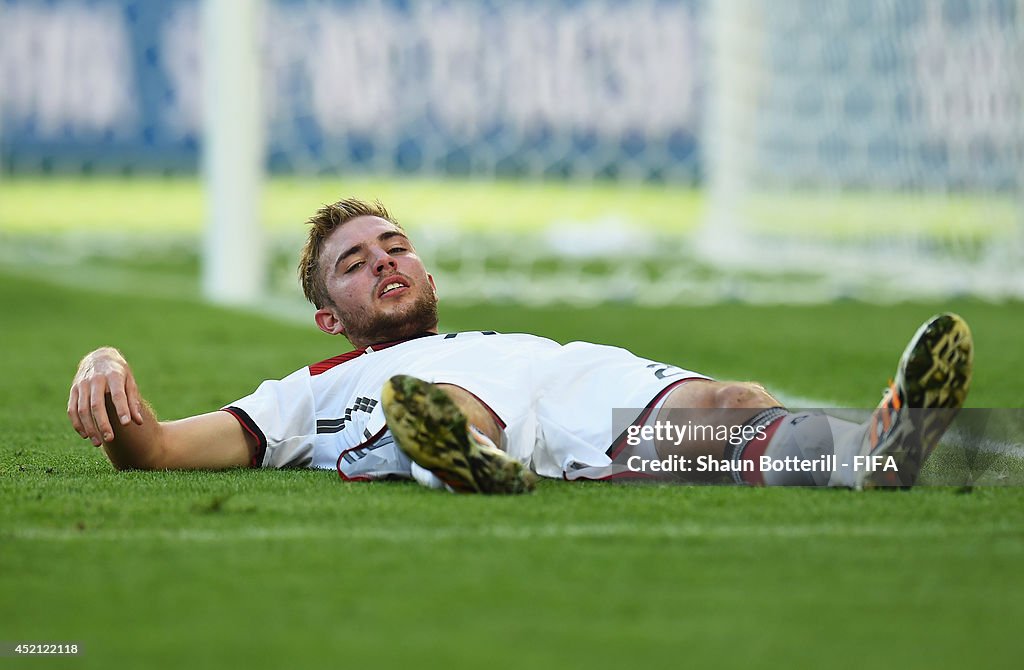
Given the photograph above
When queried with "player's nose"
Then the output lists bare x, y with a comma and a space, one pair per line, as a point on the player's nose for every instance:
384, 263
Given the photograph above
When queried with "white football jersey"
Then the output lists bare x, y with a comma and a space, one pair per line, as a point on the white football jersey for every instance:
553, 401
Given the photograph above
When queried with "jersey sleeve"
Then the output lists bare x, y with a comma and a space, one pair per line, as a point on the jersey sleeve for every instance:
281, 416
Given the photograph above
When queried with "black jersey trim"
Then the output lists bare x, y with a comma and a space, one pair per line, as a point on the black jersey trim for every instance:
250, 427
370, 439
619, 444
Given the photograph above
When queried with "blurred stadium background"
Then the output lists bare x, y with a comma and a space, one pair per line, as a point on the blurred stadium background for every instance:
644, 151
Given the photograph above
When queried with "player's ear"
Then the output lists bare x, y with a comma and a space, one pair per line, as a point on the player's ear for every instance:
433, 286
328, 321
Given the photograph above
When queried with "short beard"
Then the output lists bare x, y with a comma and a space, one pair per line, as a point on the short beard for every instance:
420, 317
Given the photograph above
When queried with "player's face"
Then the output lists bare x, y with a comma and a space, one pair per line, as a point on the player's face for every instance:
380, 289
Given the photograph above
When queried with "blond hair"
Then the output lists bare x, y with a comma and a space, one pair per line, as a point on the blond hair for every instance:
326, 220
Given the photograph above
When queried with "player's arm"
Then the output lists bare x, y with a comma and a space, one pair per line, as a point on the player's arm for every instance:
105, 407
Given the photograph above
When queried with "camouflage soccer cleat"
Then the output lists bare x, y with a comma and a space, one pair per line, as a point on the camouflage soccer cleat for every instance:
429, 427
931, 385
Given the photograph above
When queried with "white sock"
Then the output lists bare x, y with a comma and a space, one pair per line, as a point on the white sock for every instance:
808, 436
798, 438
426, 477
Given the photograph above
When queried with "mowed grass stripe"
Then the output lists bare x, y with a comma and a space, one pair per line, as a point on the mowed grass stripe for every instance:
163, 205
160, 205
502, 532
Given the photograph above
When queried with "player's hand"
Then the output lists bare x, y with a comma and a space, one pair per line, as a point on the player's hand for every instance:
101, 373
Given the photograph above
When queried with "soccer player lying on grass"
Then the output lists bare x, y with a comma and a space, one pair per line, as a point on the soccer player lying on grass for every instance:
486, 412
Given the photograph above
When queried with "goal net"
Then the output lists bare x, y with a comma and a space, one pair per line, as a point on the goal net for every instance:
880, 143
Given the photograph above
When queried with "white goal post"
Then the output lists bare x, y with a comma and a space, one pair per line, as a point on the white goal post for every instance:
234, 264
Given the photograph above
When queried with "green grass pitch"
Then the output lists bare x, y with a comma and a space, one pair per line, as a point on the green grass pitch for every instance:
269, 569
